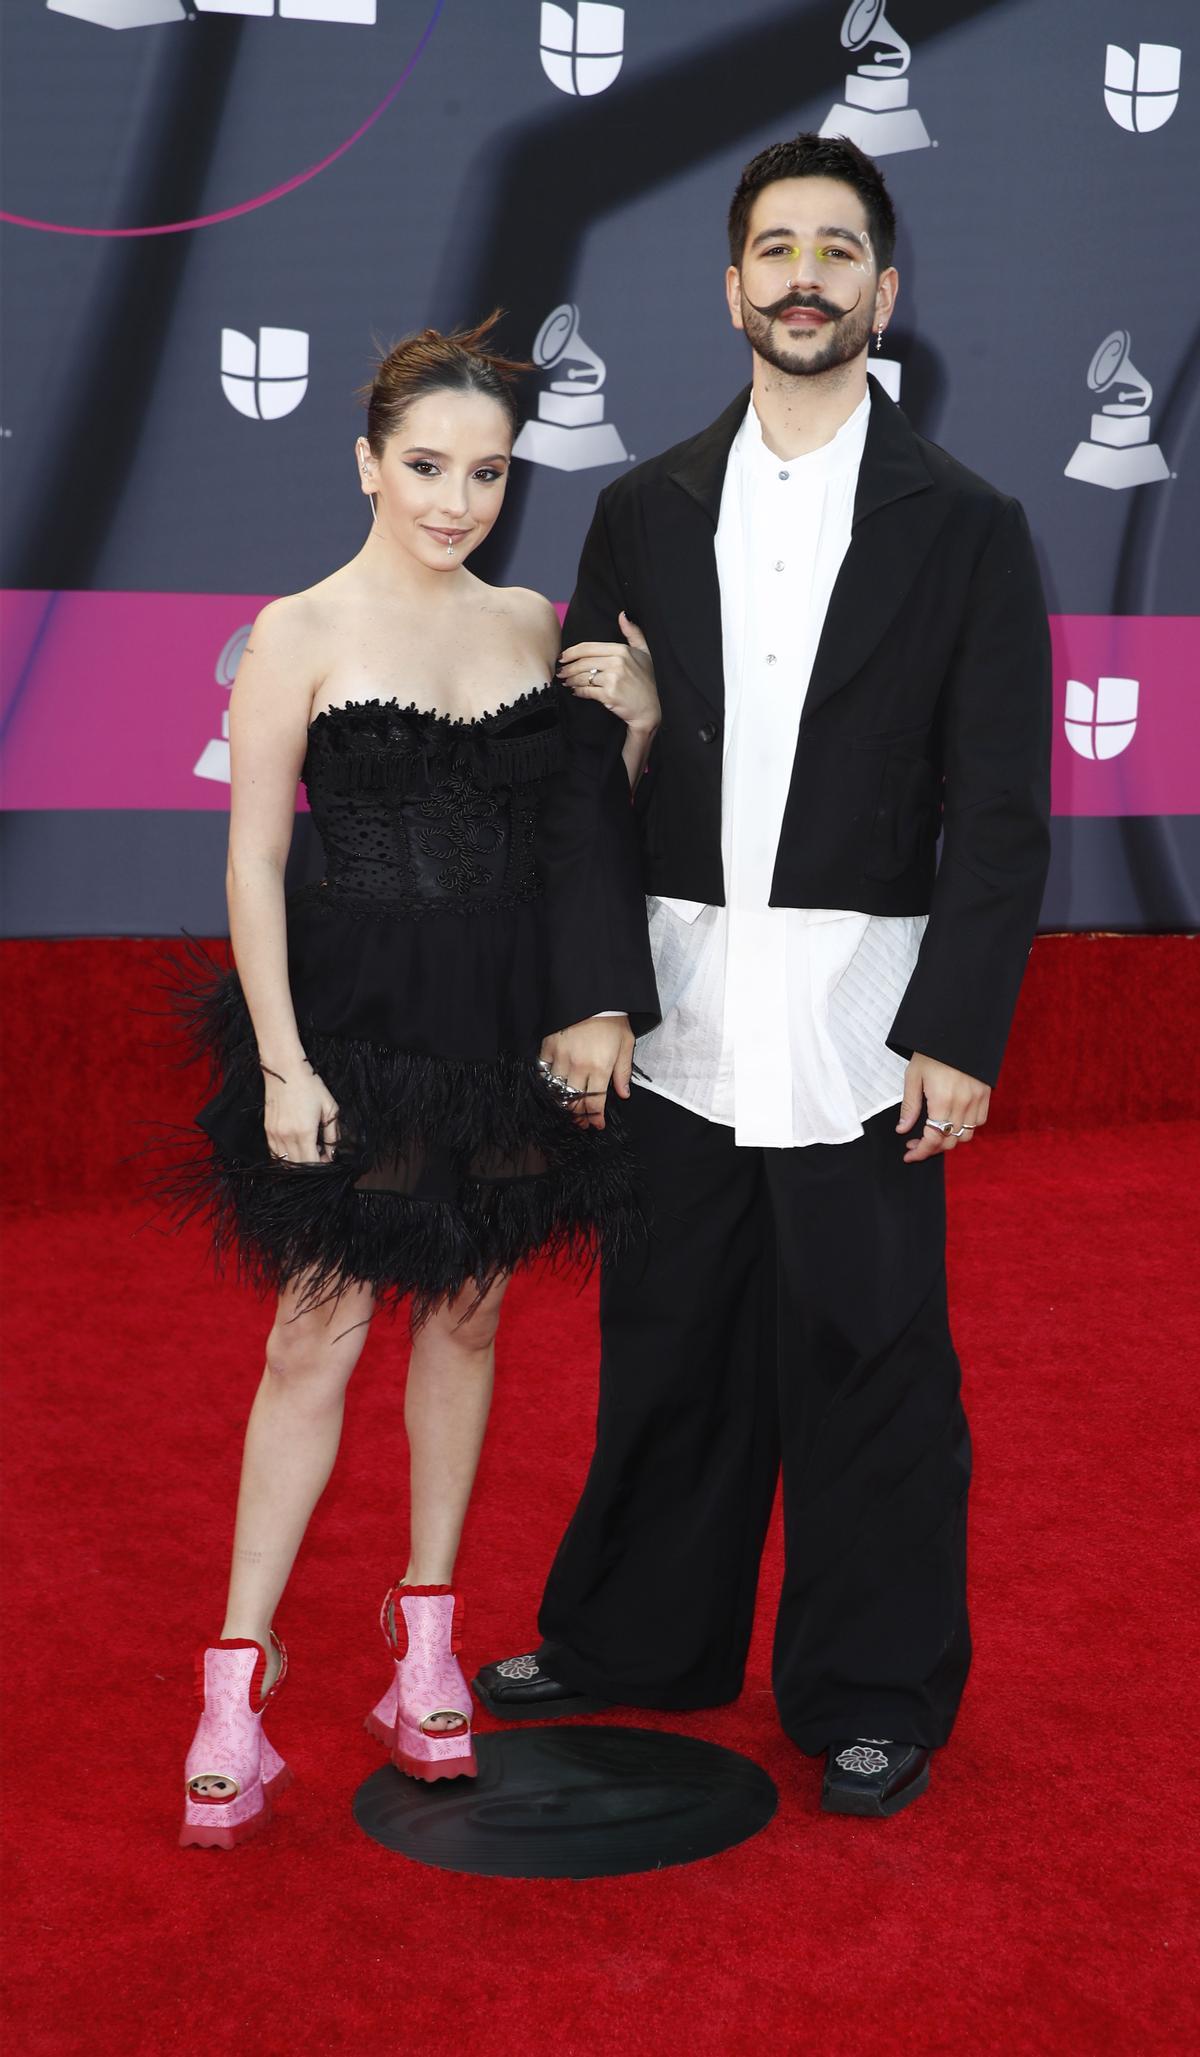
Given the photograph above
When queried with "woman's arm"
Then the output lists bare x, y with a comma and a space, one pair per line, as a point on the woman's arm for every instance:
635, 751
268, 722
621, 677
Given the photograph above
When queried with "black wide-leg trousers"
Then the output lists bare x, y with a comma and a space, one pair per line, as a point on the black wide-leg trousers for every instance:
786, 1311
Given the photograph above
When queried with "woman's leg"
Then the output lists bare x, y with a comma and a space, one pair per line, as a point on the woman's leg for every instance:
445, 1412
291, 1441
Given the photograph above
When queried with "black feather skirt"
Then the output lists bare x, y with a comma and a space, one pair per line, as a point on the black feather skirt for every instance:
450, 1172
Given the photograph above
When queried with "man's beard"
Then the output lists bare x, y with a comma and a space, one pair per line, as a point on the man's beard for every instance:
848, 334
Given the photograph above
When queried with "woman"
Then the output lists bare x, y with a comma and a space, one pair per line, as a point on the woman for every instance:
414, 1054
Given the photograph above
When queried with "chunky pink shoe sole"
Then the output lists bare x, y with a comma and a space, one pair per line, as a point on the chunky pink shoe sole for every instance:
201, 1832
380, 1725
229, 1743
429, 1770
426, 1617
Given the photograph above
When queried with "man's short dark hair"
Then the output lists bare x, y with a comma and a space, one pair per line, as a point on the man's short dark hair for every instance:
816, 157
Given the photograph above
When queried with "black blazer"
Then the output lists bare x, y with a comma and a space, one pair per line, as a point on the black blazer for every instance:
595, 944
928, 708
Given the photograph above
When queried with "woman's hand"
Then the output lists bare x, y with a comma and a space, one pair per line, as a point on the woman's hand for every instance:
586, 1058
300, 1116
619, 675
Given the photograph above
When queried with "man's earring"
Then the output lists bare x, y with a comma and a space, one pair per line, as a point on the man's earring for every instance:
879, 339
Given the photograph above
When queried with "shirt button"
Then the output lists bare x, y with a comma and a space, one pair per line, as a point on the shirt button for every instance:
785, 474
779, 564
770, 657
708, 734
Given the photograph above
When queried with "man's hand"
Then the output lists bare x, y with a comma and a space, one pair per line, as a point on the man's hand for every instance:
586, 1057
935, 1092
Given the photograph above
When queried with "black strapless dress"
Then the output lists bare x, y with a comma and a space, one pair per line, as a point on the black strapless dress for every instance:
465, 862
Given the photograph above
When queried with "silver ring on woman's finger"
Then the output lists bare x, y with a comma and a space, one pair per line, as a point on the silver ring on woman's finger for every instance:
593, 674
281, 1157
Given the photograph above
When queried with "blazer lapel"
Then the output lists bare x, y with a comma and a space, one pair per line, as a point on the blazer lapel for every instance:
684, 532
896, 517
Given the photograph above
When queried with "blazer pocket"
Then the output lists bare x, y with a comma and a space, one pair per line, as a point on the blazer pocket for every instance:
906, 816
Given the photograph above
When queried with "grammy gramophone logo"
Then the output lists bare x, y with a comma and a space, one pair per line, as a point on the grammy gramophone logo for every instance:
569, 431
213, 761
876, 114
1119, 451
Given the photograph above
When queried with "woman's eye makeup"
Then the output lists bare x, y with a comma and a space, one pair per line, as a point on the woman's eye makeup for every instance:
426, 469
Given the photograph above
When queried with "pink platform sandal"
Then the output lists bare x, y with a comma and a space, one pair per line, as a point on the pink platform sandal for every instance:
422, 1625
229, 1750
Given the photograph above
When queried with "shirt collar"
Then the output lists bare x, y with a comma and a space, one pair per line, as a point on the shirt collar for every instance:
843, 453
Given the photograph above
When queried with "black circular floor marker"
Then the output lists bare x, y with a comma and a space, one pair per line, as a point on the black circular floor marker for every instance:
572, 1803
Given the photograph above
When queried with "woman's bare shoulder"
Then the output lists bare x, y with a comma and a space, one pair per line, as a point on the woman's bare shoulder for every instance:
298, 631
295, 615
535, 613
527, 601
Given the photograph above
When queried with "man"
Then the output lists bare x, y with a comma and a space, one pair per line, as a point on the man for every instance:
850, 646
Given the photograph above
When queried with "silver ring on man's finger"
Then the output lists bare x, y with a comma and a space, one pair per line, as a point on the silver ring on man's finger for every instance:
944, 1128
593, 674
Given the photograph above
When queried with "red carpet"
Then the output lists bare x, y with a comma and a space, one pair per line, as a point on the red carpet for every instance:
1035, 1901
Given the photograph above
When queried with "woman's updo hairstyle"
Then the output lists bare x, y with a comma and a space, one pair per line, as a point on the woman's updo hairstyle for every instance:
430, 362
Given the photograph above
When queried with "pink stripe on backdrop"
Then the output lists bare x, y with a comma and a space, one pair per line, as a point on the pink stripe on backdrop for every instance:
117, 699
1158, 770
112, 700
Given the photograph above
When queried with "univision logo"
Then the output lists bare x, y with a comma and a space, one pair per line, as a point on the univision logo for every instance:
1101, 724
147, 14
267, 379
1142, 93
581, 52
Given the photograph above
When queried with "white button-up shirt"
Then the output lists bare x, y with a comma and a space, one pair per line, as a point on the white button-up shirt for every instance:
774, 1018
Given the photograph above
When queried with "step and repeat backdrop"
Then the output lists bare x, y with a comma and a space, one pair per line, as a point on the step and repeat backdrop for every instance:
214, 208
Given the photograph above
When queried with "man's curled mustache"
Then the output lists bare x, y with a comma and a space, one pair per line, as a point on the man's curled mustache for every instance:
811, 302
